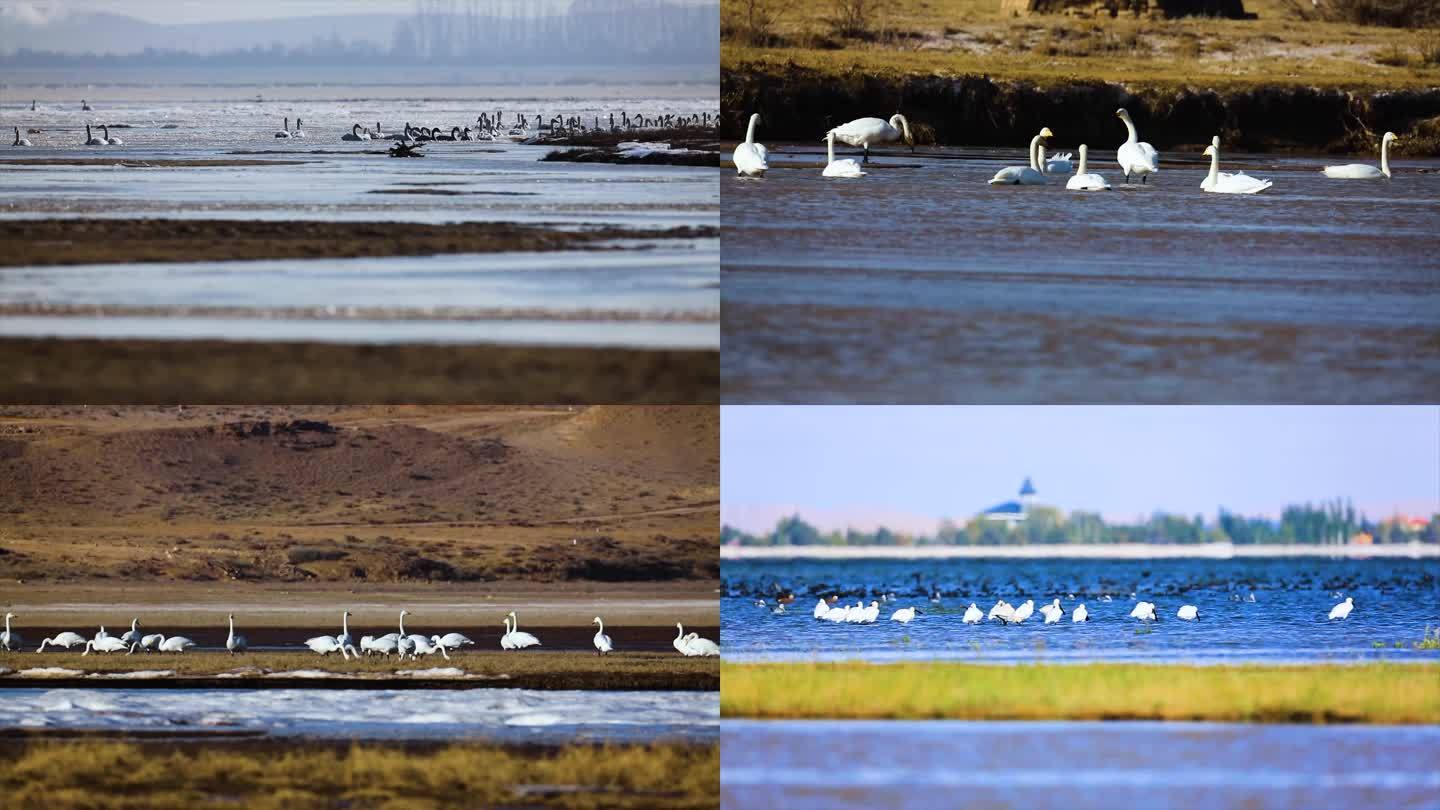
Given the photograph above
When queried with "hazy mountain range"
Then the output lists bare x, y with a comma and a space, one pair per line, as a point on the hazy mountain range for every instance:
115, 33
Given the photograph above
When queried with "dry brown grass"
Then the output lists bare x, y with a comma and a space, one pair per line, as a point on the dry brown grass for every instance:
87, 774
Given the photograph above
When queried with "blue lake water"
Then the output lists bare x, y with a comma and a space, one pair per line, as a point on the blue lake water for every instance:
838, 765
1396, 600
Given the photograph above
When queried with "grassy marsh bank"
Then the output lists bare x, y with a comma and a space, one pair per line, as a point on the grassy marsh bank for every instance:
87, 774
1370, 693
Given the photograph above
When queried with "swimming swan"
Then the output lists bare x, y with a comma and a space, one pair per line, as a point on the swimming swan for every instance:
19, 141
1144, 611
844, 167
66, 639
864, 131
299, 129
111, 140
750, 158
1187, 613
285, 132
1057, 164
972, 615
602, 641
235, 643
1221, 183
1024, 175
1080, 614
355, 134
1342, 610
904, 615
91, 140
1023, 612
1052, 612
821, 608
1364, 171
1083, 180
1135, 156
9, 639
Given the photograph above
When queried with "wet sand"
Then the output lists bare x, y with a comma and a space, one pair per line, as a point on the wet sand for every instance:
40, 370
47, 242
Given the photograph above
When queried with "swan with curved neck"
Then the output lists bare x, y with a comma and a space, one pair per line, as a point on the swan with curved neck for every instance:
1025, 175
66, 639
679, 642
864, 131
751, 159
1364, 171
1135, 156
1221, 183
355, 134
844, 167
602, 641
1083, 180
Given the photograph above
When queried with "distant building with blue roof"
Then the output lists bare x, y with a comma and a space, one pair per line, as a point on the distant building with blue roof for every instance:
1013, 512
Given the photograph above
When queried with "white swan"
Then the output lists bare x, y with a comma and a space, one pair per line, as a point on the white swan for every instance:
299, 131
1057, 163
1144, 611
106, 645
701, 647
233, 642
821, 608
355, 134
602, 641
454, 641
91, 140
428, 646
133, 634
1023, 612
175, 644
1001, 611
864, 131
344, 637
972, 615
328, 644
1024, 175
1083, 180
66, 639
870, 614
1364, 171
10, 639
149, 642
1222, 183
1052, 612
903, 615
1188, 613
836, 614
101, 634
385, 645
111, 140
845, 167
519, 640
19, 141
751, 159
1342, 610
679, 642
284, 133
856, 614
1135, 156
1080, 614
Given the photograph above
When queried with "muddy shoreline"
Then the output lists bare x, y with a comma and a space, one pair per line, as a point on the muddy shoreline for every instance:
46, 242
799, 104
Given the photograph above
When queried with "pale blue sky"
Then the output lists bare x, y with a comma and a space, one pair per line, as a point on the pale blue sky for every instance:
907, 467
183, 11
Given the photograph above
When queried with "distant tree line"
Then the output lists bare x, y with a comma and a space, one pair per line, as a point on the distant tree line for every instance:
1329, 522
467, 32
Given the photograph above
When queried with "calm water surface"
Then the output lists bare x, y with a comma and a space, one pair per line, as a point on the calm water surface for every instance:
921, 283
1395, 602
838, 765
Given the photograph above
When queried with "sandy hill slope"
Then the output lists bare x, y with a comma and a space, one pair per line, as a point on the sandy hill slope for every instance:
352, 493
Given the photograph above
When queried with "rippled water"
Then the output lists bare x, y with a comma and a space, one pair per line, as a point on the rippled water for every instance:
839, 765
502, 715
654, 294
1395, 601
921, 283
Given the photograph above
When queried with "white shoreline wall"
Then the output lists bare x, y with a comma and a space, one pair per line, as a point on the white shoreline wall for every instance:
1113, 551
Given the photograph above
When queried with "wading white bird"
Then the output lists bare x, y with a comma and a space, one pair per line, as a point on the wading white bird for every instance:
133, 634
235, 643
973, 615
175, 644
518, 640
864, 131
455, 641
66, 639
111, 140
284, 133
701, 647
428, 646
104, 645
328, 644
1080, 614
1023, 612
10, 639
344, 637
602, 641
1084, 180
1135, 156
1144, 611
821, 608
1221, 183
844, 167
1364, 171
1001, 611
1024, 175
19, 141
149, 643
904, 615
870, 614
1342, 610
751, 159
1052, 612
1188, 612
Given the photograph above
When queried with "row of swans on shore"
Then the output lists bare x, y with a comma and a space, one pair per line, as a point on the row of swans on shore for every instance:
1136, 158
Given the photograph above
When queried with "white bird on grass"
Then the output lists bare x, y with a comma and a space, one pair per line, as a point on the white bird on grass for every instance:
66, 639
133, 634
234, 642
104, 645
602, 641
10, 639
517, 639
695, 646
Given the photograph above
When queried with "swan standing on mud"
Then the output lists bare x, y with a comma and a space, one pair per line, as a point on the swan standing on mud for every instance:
1086, 181
602, 641
19, 141
1364, 171
1135, 156
235, 643
751, 159
864, 131
1024, 175
845, 167
1223, 183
